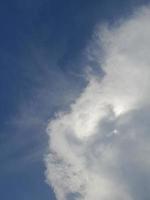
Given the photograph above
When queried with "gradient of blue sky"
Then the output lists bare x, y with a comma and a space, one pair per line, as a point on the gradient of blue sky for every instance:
41, 43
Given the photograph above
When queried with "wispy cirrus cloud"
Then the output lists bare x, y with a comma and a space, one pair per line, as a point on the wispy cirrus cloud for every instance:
99, 149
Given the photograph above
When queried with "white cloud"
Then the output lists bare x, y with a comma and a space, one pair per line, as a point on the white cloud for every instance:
100, 148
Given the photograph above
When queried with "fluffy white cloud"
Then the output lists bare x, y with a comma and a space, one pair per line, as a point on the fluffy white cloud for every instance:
100, 149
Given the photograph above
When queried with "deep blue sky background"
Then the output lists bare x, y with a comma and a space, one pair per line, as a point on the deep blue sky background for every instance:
41, 43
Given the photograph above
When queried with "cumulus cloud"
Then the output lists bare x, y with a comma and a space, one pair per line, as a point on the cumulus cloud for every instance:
99, 149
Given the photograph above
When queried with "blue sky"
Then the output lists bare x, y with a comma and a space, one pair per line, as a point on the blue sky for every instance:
41, 65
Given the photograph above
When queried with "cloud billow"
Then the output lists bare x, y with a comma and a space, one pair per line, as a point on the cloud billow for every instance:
100, 148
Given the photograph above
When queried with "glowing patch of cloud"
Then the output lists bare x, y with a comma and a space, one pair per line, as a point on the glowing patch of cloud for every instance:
96, 147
